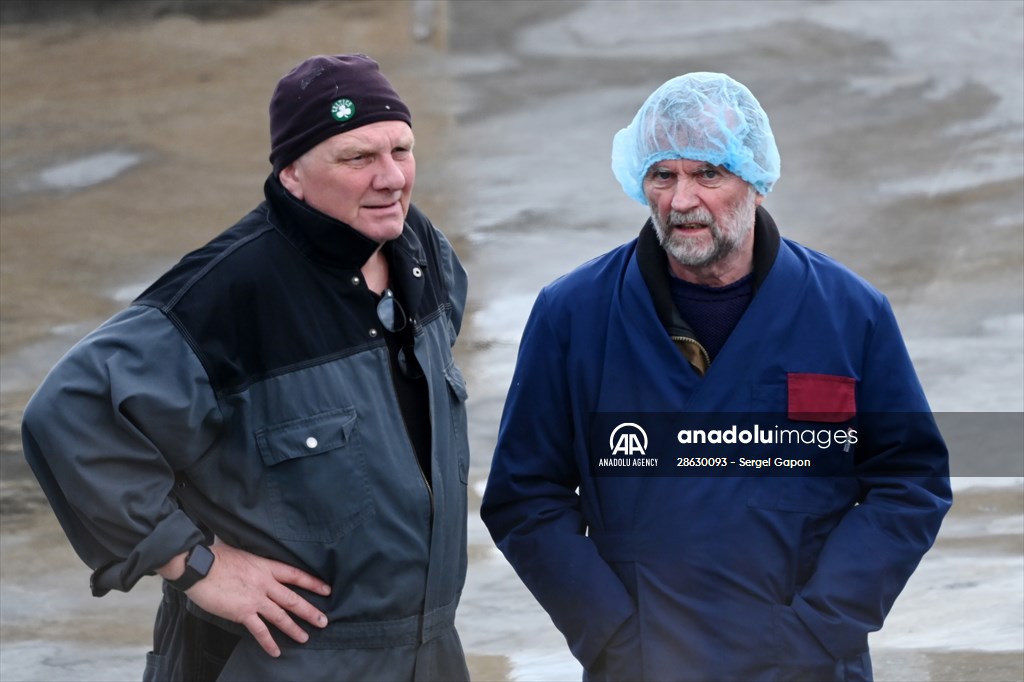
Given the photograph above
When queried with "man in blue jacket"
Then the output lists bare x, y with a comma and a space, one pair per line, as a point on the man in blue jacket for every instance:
715, 461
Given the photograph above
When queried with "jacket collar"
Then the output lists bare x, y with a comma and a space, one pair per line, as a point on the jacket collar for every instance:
651, 258
318, 236
333, 243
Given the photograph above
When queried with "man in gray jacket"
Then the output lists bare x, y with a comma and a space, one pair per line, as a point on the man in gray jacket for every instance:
277, 426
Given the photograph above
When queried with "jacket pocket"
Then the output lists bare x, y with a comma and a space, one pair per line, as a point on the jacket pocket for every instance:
315, 478
457, 399
621, 658
158, 668
799, 655
820, 397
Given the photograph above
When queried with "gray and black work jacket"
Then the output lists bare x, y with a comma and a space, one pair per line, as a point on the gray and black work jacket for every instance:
248, 394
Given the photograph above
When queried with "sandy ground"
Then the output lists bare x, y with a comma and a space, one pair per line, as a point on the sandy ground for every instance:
514, 105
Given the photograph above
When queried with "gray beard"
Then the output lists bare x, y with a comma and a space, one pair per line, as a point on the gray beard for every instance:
725, 239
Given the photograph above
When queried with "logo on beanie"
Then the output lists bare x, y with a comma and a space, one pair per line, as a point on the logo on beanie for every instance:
342, 110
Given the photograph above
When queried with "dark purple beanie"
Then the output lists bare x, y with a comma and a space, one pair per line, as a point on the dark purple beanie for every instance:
326, 95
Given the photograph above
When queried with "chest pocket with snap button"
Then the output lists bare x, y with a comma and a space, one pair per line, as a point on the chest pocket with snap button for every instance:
316, 483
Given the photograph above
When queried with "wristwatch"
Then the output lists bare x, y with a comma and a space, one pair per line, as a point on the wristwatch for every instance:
197, 566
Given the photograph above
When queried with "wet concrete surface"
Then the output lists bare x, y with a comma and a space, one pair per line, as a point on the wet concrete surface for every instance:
900, 127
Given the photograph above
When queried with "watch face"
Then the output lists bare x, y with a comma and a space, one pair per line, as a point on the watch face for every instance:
200, 559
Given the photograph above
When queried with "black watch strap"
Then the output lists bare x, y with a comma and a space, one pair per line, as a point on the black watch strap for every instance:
197, 566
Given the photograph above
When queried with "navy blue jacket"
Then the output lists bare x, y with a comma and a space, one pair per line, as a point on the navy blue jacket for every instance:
724, 573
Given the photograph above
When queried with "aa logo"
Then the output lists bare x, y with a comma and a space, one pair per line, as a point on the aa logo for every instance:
628, 439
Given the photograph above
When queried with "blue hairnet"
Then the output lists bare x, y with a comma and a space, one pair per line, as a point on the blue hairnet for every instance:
702, 117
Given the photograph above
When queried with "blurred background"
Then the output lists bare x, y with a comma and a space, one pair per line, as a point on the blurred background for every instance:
134, 131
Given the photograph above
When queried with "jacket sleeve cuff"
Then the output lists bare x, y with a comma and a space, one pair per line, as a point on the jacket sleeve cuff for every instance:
173, 535
841, 642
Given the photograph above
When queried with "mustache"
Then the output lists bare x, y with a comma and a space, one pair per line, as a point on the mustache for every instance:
697, 216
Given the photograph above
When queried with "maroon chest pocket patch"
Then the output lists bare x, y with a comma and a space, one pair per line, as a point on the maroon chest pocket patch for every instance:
820, 397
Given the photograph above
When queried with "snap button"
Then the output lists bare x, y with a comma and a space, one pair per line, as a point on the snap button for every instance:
373, 333
355, 281
416, 272
311, 442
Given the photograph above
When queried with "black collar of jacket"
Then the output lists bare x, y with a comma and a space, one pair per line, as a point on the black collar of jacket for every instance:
317, 235
651, 258
330, 242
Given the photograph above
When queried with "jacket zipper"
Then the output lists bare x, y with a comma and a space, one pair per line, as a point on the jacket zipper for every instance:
426, 482
423, 476
408, 438
703, 353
